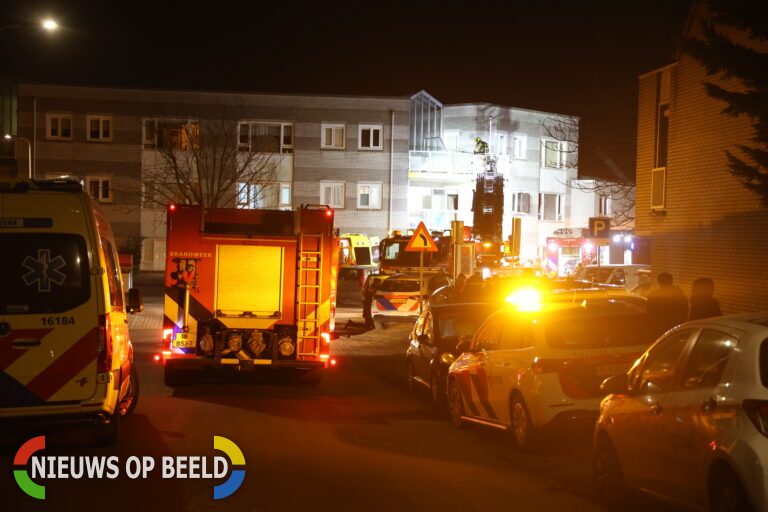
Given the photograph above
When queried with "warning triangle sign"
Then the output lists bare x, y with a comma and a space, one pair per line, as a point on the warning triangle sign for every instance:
421, 241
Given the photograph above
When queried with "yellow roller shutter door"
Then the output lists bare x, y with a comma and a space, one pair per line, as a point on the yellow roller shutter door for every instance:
249, 278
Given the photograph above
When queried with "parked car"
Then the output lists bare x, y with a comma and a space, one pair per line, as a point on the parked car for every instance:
66, 352
530, 365
397, 298
625, 276
433, 340
689, 421
349, 288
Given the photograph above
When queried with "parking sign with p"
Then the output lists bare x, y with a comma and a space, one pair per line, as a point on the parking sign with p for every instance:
600, 230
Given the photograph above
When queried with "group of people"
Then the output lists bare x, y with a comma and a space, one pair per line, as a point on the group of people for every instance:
668, 306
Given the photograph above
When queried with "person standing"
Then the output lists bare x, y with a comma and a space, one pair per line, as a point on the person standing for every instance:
370, 290
667, 304
703, 304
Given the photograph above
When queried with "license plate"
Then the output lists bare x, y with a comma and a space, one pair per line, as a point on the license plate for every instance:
183, 340
398, 301
607, 370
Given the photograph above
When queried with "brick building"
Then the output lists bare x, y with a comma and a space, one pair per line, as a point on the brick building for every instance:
699, 220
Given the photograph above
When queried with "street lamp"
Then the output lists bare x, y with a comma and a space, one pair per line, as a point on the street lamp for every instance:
29, 150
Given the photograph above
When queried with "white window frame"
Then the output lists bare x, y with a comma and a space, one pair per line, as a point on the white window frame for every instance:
500, 143
334, 143
325, 185
516, 203
448, 193
370, 146
248, 200
372, 184
451, 135
562, 153
102, 198
558, 206
59, 118
658, 176
100, 120
603, 205
286, 129
519, 143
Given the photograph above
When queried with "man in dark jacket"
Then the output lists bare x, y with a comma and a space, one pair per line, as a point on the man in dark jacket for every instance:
667, 304
703, 304
370, 290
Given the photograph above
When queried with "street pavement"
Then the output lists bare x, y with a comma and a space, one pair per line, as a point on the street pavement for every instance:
359, 441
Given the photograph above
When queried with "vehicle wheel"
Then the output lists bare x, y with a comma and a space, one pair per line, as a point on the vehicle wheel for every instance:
606, 470
410, 376
727, 494
520, 427
107, 434
131, 398
455, 404
437, 391
173, 377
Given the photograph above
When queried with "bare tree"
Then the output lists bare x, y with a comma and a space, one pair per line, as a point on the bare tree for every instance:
565, 128
209, 162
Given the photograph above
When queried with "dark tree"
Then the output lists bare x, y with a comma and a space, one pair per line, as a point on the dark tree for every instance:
721, 55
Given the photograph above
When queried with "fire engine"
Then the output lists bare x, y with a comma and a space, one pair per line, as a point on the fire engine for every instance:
393, 257
248, 290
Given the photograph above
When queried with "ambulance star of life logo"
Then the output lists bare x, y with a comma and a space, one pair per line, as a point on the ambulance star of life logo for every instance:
43, 270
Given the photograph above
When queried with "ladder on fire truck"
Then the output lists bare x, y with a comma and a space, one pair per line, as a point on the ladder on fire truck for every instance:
308, 297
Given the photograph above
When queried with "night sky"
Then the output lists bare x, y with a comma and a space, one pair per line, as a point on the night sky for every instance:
571, 57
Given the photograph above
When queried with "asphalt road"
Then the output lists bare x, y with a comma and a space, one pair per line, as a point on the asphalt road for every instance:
359, 441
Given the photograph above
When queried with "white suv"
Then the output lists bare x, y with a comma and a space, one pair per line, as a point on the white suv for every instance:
690, 419
526, 367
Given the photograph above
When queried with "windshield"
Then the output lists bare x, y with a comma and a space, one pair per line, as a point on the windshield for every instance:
462, 320
394, 253
599, 326
398, 285
362, 256
42, 273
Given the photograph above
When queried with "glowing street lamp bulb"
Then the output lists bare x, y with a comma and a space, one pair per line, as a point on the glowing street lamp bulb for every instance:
50, 25
617, 238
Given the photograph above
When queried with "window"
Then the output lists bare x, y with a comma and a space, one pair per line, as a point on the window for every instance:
99, 188
99, 128
452, 201
171, 134
451, 140
270, 196
604, 206
521, 202
500, 143
662, 135
369, 196
658, 188
333, 136
58, 126
519, 146
265, 137
553, 153
370, 136
551, 207
487, 336
332, 194
113, 275
708, 359
660, 367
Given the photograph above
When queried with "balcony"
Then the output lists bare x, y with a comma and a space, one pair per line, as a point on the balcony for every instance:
449, 165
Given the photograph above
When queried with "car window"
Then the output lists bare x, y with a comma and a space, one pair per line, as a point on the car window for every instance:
436, 282
618, 277
600, 324
658, 372
43, 272
350, 274
113, 275
362, 255
708, 359
487, 338
399, 285
461, 320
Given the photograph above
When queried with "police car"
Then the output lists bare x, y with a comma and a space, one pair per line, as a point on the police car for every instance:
397, 298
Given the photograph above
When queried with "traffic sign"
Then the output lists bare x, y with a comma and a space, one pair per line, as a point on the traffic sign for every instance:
600, 230
421, 241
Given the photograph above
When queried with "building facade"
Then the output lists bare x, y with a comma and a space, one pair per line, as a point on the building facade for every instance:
347, 152
699, 220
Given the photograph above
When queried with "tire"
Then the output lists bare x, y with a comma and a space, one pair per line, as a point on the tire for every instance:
131, 398
521, 428
607, 473
727, 494
107, 434
455, 404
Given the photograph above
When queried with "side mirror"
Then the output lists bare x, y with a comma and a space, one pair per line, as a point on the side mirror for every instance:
463, 345
616, 385
135, 305
423, 339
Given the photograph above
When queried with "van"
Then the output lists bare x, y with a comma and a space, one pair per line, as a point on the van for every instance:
65, 352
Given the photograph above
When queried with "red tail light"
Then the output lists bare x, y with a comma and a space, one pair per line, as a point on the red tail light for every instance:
547, 365
104, 346
757, 410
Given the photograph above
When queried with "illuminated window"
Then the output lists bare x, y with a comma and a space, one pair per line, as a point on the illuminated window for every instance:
333, 136
332, 194
370, 136
99, 128
58, 126
266, 137
369, 196
553, 153
99, 188
270, 196
171, 134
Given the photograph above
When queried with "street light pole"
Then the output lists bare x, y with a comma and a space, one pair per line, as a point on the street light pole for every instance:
29, 150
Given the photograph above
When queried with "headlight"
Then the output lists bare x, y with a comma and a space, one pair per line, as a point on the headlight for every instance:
234, 342
286, 347
256, 343
447, 358
206, 343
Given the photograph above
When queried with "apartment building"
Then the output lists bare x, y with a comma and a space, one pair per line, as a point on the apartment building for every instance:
347, 152
541, 185
699, 220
